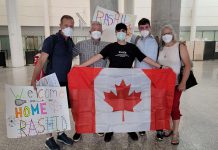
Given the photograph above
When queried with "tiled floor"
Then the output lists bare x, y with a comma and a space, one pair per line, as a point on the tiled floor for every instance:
198, 130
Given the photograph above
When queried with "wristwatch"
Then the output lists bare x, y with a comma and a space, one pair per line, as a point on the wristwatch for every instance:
161, 66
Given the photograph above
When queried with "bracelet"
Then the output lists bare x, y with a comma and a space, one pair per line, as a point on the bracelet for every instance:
161, 66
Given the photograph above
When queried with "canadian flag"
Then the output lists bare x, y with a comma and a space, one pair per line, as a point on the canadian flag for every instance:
121, 100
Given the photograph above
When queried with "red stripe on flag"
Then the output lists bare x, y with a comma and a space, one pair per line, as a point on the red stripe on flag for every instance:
81, 93
162, 93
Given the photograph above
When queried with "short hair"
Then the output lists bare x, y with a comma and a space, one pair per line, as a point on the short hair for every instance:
96, 23
144, 21
120, 26
66, 17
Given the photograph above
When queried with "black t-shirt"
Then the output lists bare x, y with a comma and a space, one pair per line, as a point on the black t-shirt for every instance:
121, 56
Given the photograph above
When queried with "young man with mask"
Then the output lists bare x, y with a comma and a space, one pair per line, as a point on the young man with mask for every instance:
148, 46
121, 55
58, 50
146, 43
88, 48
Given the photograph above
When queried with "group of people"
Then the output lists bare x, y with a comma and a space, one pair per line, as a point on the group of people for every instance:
143, 51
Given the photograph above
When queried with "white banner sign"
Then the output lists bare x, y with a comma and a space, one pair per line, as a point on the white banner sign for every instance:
30, 112
109, 19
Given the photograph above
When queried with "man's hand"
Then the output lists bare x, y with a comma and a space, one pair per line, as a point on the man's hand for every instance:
165, 67
77, 65
33, 83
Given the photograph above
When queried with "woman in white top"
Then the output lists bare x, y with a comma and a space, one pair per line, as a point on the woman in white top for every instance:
169, 56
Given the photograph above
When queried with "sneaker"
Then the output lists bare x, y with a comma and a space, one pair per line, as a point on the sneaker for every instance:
133, 136
108, 136
142, 133
76, 137
63, 138
159, 135
51, 144
100, 134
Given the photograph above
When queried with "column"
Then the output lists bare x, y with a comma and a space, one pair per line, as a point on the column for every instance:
15, 37
193, 20
108, 4
165, 12
46, 19
121, 6
129, 6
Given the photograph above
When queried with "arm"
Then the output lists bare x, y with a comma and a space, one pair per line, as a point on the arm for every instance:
38, 68
76, 50
152, 62
186, 61
91, 60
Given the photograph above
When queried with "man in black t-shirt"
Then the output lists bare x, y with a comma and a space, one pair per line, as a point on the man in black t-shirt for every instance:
121, 55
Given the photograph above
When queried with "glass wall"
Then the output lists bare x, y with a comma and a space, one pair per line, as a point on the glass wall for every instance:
184, 36
200, 35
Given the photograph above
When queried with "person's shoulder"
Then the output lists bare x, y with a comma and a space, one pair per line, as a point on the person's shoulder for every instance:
112, 44
105, 43
83, 41
50, 39
182, 44
131, 45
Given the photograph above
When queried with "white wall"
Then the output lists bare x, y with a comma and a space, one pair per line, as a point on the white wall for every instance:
31, 13
207, 12
142, 9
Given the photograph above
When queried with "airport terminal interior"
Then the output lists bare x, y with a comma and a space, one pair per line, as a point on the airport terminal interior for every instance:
24, 24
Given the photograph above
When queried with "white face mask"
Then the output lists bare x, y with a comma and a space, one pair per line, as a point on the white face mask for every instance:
96, 35
167, 38
145, 33
68, 31
121, 36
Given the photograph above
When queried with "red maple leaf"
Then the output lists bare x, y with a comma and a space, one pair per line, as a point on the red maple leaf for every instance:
122, 101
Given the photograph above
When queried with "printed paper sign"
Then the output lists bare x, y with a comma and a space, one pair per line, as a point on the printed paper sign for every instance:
49, 80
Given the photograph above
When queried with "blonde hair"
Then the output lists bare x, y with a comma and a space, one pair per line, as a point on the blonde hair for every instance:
162, 43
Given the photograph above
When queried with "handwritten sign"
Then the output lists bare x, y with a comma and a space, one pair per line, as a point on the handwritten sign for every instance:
49, 80
109, 19
30, 112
